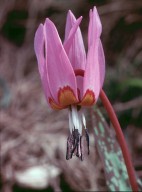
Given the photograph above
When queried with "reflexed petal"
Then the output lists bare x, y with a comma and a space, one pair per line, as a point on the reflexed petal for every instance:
94, 72
69, 23
95, 27
71, 35
76, 50
39, 50
62, 82
102, 63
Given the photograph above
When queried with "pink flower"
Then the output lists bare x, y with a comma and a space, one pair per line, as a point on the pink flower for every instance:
70, 77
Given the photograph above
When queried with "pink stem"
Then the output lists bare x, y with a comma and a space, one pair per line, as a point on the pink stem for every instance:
121, 140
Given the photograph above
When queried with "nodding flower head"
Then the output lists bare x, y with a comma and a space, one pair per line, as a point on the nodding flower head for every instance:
71, 78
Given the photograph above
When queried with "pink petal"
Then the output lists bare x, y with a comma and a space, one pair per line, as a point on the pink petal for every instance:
73, 37
39, 50
94, 72
95, 27
69, 39
60, 72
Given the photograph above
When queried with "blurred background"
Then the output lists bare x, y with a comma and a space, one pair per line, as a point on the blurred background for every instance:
33, 137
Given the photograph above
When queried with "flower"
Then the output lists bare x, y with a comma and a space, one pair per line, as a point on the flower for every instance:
70, 77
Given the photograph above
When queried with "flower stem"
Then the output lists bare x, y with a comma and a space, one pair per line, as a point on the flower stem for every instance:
121, 140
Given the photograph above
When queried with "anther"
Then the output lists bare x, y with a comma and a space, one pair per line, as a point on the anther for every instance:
87, 139
70, 141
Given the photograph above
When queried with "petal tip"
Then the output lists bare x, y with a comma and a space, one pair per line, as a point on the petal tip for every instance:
70, 12
48, 22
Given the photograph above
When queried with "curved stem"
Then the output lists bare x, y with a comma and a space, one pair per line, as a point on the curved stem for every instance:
121, 140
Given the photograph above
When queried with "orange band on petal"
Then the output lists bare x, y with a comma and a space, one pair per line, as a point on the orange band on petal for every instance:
66, 96
88, 99
54, 105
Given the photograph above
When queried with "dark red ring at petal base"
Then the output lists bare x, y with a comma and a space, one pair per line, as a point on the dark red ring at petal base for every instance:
79, 72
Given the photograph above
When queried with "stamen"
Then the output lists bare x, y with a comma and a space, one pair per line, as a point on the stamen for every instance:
77, 143
74, 141
86, 132
81, 147
71, 127
74, 145
87, 140
70, 142
76, 119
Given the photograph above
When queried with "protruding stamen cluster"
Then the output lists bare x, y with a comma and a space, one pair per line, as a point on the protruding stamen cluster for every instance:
74, 141
74, 145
